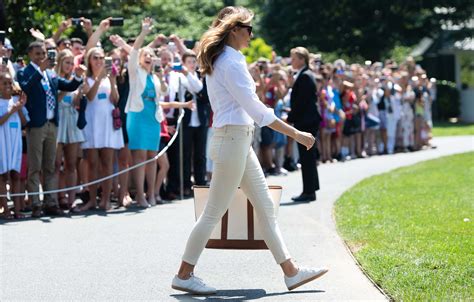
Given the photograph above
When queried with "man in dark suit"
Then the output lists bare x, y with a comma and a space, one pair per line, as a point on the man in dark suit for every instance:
304, 116
41, 86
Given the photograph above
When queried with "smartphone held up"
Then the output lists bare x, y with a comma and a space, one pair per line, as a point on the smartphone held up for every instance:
116, 21
157, 65
108, 65
51, 55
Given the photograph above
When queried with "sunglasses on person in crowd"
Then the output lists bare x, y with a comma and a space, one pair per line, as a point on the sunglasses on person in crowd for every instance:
248, 27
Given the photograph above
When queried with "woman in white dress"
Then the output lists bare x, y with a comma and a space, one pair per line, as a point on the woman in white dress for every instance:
12, 116
102, 139
69, 135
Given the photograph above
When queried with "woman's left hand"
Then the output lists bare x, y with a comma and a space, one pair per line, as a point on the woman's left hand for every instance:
306, 139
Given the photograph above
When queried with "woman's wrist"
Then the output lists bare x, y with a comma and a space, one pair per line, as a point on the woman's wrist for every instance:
296, 133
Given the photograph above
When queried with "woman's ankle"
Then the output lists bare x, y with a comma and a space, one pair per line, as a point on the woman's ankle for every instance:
289, 268
184, 276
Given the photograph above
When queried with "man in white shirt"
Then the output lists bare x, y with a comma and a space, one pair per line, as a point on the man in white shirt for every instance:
195, 128
179, 80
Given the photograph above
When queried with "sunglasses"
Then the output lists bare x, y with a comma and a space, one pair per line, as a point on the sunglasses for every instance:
247, 27
98, 57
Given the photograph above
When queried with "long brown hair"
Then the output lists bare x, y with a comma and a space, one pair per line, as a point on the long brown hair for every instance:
215, 38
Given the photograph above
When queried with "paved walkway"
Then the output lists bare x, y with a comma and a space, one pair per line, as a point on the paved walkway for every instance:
133, 255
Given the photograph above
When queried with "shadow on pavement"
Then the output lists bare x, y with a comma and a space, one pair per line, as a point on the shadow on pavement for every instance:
241, 295
292, 203
134, 210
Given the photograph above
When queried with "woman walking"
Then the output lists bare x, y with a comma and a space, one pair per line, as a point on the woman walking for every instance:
236, 106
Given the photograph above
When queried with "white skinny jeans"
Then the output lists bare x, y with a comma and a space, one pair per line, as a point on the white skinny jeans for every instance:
235, 163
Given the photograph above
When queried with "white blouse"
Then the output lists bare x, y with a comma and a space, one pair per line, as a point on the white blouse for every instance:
231, 91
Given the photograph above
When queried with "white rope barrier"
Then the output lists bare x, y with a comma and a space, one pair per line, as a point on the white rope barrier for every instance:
81, 187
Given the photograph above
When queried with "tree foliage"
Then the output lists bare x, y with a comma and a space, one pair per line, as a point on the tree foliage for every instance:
369, 28
257, 49
186, 18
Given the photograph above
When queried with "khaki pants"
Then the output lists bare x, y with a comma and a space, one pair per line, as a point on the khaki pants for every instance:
235, 163
41, 156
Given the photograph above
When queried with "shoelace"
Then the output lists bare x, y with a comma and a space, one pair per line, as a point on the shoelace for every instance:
200, 281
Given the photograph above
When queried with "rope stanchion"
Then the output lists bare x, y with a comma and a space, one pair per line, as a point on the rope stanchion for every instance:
81, 187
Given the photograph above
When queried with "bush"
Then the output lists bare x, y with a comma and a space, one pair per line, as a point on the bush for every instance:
447, 101
257, 49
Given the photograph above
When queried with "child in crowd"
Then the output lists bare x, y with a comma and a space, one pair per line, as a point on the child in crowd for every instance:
12, 116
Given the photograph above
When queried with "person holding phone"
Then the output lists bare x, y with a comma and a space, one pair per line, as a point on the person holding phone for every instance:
145, 113
102, 139
41, 85
69, 135
236, 107
179, 81
6, 50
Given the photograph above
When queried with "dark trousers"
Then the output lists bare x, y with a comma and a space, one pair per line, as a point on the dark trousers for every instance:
194, 152
173, 181
309, 169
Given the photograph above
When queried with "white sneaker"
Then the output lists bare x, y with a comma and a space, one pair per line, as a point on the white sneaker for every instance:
193, 285
304, 276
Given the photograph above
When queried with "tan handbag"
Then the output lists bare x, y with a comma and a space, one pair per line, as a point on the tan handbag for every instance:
238, 228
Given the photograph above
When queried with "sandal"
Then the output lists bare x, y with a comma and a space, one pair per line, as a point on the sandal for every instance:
159, 200
7, 214
87, 207
19, 216
143, 204
106, 207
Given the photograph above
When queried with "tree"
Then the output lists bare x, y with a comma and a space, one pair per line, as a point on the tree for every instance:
257, 49
187, 18
369, 28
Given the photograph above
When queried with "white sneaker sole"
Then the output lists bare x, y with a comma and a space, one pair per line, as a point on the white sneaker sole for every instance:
308, 280
192, 291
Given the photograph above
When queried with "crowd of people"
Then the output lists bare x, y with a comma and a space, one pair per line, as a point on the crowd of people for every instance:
77, 112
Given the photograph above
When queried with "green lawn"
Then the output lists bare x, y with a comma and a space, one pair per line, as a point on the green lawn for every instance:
449, 129
412, 229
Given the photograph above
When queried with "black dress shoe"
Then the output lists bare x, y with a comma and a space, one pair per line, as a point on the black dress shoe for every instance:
304, 198
289, 164
53, 211
36, 212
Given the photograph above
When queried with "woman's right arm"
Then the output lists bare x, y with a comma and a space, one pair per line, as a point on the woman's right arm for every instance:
133, 59
146, 29
95, 37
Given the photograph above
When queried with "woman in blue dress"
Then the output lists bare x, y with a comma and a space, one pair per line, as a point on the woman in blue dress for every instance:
144, 114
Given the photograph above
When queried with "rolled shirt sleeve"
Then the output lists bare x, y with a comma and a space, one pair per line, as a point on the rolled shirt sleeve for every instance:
241, 86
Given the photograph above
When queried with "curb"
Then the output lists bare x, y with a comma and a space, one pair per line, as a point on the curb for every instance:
387, 296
